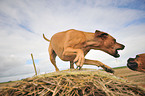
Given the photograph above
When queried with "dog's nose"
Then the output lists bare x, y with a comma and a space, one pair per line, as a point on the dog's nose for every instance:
123, 46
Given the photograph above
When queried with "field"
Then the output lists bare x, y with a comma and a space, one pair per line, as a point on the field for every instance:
133, 76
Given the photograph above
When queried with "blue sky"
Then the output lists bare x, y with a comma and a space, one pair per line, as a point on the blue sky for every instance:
22, 23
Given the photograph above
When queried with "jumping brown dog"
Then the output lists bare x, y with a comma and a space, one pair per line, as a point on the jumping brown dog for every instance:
72, 45
137, 63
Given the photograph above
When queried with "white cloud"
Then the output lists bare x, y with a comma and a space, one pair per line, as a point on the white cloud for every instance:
22, 23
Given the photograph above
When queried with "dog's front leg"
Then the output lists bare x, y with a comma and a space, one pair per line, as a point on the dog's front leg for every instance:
79, 59
99, 64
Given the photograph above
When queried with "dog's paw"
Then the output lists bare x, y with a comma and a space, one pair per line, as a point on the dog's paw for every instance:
78, 67
109, 70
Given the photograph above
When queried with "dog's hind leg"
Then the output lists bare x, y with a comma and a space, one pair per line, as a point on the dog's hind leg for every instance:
99, 64
52, 55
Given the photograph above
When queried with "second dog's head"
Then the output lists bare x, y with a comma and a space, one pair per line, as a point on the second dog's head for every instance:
137, 63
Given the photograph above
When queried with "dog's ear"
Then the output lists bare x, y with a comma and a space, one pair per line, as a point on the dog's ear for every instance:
100, 34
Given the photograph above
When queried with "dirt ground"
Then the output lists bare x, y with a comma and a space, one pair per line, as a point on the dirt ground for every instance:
133, 76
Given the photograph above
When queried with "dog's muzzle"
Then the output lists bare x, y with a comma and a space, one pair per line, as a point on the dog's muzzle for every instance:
131, 64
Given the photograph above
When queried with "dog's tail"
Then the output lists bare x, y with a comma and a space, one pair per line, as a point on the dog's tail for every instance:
46, 38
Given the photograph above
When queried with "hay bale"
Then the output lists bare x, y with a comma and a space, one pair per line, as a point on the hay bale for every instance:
85, 82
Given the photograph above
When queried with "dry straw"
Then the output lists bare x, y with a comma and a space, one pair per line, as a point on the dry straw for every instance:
86, 82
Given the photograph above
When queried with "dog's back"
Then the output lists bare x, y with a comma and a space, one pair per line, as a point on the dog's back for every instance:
58, 40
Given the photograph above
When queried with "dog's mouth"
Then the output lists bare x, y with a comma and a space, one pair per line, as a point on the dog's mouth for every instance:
132, 64
116, 55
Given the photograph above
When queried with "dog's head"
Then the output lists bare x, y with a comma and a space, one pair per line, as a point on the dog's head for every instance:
137, 63
108, 44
